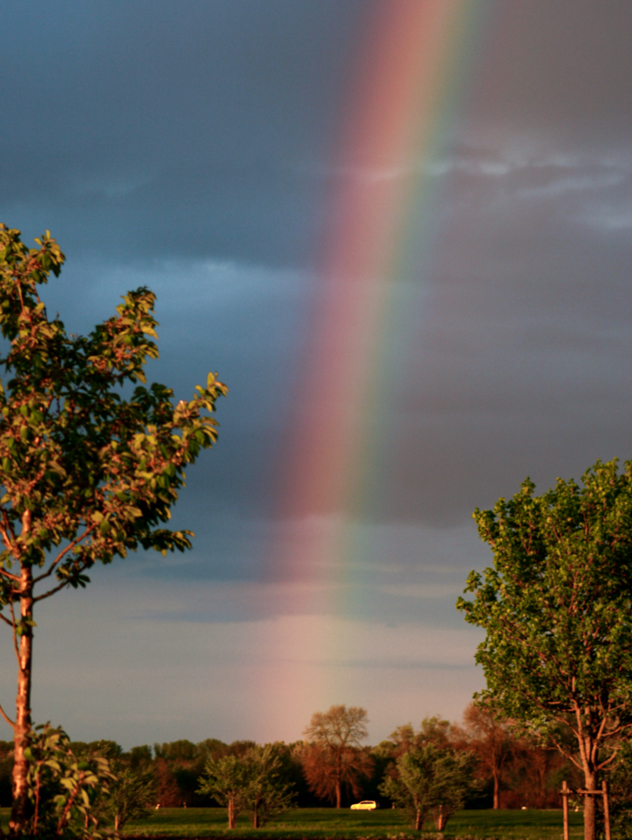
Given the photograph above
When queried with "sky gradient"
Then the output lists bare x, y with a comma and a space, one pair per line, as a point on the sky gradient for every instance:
407, 253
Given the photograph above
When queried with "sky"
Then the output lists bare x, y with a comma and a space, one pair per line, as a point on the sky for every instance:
400, 232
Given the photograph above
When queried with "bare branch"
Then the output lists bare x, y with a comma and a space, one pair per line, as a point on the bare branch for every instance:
50, 592
7, 718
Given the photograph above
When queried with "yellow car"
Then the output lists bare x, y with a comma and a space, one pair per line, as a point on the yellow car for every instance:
365, 805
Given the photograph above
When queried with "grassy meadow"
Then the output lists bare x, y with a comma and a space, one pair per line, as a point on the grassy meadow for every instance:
322, 823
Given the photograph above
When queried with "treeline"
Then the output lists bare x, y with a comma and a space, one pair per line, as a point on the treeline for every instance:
329, 768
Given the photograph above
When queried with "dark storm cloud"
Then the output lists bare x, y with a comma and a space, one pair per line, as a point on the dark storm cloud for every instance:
194, 147
129, 126
522, 361
559, 70
154, 144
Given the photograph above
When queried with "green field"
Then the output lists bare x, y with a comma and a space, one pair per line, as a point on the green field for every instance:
321, 823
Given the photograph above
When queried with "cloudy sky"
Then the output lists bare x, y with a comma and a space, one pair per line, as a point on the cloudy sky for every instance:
214, 151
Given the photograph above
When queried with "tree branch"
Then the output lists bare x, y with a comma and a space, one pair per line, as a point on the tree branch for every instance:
4, 573
61, 556
7, 718
50, 592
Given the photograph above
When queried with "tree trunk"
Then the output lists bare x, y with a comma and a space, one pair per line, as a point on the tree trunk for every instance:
418, 821
440, 818
23, 722
338, 794
496, 789
232, 816
590, 806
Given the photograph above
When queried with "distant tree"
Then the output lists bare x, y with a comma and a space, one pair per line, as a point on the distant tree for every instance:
240, 748
534, 775
430, 780
225, 780
167, 787
177, 751
88, 472
490, 737
129, 795
252, 781
557, 609
267, 793
140, 758
433, 730
212, 748
334, 758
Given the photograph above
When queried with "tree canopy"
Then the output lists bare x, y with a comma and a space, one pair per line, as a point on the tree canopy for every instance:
252, 781
557, 610
430, 780
334, 758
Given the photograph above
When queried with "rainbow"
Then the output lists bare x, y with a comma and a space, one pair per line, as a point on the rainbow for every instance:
407, 85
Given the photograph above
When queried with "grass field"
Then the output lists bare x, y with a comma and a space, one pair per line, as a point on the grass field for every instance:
322, 823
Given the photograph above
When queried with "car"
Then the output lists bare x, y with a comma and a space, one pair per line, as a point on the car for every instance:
365, 805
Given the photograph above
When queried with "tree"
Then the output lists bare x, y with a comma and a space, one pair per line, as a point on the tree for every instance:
335, 759
267, 794
225, 780
430, 779
251, 781
86, 473
491, 739
128, 796
63, 788
557, 609
433, 730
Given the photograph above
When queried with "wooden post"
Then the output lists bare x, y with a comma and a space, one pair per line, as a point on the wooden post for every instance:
565, 794
606, 808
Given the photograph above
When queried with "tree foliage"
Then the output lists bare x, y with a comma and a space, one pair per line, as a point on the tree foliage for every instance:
88, 471
430, 780
433, 730
267, 794
334, 759
63, 788
251, 782
557, 610
129, 795
491, 738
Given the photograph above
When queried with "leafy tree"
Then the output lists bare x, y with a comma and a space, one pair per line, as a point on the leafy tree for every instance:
62, 788
334, 758
177, 751
405, 738
250, 781
534, 775
557, 609
491, 739
267, 793
225, 780
167, 787
128, 796
140, 757
430, 780
85, 474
